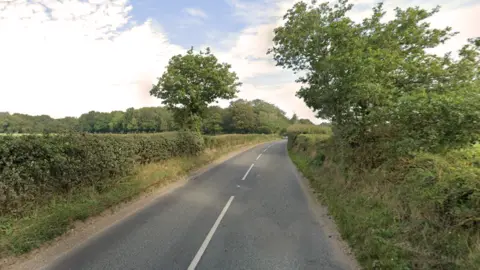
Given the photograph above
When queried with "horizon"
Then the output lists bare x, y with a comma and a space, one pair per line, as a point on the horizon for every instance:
66, 59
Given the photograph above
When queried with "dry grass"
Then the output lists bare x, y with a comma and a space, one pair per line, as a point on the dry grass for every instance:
20, 235
420, 213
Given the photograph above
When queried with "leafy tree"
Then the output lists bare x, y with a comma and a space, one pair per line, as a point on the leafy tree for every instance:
116, 121
305, 121
213, 121
243, 118
376, 80
130, 123
193, 81
269, 117
294, 119
101, 122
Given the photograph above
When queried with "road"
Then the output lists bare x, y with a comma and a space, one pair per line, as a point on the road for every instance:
234, 216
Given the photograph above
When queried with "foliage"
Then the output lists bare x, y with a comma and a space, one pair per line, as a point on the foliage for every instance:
193, 81
295, 130
213, 121
294, 119
308, 129
255, 116
242, 116
266, 118
221, 141
376, 81
33, 166
147, 119
416, 213
55, 213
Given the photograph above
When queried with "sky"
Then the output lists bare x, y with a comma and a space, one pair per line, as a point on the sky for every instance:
67, 57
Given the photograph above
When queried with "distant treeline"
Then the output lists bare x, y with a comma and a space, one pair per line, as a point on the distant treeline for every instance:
241, 116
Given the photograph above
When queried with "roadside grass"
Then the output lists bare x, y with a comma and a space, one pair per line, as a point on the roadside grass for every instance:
365, 221
393, 219
21, 235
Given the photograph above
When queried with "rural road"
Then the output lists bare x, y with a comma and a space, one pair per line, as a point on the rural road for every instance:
234, 216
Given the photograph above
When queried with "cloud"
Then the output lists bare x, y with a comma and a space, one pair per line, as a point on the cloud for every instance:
196, 12
66, 58
246, 50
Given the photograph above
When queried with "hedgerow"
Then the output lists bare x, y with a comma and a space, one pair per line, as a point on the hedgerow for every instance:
32, 167
419, 212
231, 139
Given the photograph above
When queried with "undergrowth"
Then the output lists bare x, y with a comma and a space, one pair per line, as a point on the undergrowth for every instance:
55, 216
421, 212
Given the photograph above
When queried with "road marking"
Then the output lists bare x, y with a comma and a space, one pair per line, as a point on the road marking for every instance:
245, 176
205, 243
259, 156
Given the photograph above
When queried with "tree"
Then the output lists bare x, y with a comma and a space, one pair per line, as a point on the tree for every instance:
213, 120
305, 121
376, 81
193, 81
270, 119
294, 119
243, 119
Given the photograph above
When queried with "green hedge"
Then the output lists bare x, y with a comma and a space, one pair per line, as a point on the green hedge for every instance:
307, 130
421, 212
234, 139
32, 167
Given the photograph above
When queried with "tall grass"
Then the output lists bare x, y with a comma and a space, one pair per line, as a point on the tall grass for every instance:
421, 212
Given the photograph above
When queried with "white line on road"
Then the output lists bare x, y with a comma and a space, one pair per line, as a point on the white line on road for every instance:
204, 245
259, 156
245, 176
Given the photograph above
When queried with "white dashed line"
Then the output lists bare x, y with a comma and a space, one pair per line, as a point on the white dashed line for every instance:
245, 176
205, 243
259, 156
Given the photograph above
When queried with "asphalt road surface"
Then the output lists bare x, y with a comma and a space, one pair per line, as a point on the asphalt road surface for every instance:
234, 216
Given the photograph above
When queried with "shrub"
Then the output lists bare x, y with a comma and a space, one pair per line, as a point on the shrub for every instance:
32, 167
233, 139
420, 212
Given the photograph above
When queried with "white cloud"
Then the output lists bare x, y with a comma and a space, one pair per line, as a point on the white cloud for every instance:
196, 12
246, 50
66, 58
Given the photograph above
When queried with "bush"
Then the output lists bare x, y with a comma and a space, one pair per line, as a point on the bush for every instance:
294, 130
420, 212
308, 129
33, 167
234, 139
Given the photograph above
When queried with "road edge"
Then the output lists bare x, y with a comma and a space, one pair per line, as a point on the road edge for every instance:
342, 252
84, 231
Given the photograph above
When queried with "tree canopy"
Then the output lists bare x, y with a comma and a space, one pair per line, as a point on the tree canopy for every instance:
191, 82
376, 80
241, 116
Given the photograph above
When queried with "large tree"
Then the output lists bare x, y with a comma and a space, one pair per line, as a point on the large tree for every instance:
191, 82
377, 80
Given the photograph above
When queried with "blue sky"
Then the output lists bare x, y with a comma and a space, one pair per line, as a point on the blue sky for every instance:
185, 29
113, 50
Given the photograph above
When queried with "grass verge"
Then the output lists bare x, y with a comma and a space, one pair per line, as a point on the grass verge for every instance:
20, 235
396, 225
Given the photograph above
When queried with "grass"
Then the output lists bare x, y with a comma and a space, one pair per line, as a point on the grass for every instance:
20, 235
398, 225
